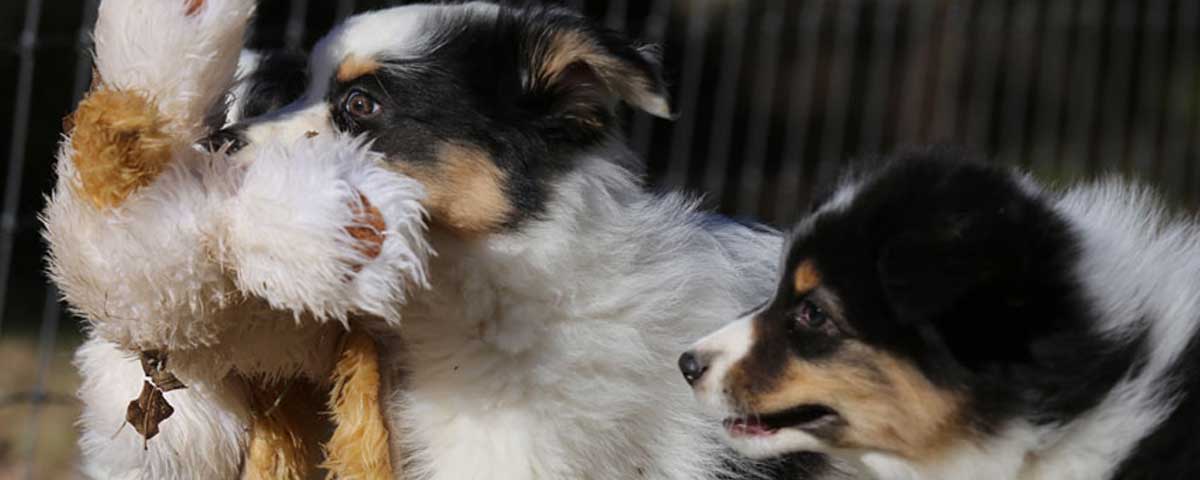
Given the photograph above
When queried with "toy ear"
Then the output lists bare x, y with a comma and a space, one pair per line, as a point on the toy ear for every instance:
583, 72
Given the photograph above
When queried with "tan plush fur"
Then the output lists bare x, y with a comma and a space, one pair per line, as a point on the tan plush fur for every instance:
370, 229
283, 433
121, 143
194, 6
358, 448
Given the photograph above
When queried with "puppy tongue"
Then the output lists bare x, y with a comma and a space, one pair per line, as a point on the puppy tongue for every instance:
747, 427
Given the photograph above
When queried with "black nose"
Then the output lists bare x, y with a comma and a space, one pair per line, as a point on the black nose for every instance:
692, 366
229, 138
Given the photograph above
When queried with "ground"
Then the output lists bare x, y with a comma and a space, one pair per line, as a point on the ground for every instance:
49, 428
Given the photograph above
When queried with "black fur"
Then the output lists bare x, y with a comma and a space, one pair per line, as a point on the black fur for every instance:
477, 87
280, 79
956, 267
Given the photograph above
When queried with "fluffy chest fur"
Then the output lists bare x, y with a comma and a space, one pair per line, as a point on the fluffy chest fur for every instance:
549, 353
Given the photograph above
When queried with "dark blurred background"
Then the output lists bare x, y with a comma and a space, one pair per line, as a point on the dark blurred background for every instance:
774, 95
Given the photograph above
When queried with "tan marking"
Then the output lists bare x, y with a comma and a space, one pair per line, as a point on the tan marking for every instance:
120, 142
354, 66
464, 189
567, 48
886, 402
359, 447
806, 277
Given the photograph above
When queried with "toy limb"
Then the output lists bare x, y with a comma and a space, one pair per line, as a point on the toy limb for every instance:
321, 226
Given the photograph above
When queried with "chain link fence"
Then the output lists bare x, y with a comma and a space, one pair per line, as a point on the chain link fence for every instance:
775, 96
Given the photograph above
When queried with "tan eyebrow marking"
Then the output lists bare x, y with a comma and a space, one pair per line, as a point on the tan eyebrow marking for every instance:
355, 66
806, 277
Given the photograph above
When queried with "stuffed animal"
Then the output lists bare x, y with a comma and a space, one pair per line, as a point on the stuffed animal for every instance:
224, 293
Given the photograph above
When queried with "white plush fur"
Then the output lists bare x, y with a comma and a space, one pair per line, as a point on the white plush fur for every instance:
184, 63
296, 199
230, 264
1140, 267
204, 438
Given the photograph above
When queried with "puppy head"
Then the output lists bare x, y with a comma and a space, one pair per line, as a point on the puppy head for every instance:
907, 320
485, 105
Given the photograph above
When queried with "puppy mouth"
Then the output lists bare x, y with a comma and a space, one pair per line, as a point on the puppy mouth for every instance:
800, 417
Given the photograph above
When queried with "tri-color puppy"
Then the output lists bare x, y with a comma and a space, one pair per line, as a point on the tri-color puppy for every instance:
563, 290
950, 320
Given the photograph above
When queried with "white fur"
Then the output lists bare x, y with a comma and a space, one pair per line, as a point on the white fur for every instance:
550, 353
723, 349
183, 63
1139, 268
235, 101
396, 34
205, 437
172, 270
227, 263
296, 198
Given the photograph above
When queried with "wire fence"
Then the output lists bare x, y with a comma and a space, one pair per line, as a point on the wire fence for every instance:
774, 95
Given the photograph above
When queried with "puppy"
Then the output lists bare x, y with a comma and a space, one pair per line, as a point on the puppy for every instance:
949, 320
562, 290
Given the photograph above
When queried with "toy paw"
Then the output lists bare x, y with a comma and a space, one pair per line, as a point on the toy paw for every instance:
321, 226
120, 143
191, 7
368, 228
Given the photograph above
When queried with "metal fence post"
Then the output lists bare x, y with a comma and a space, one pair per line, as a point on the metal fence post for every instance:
16, 155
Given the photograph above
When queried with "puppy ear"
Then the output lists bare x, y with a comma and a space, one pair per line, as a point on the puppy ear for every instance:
925, 272
980, 279
584, 71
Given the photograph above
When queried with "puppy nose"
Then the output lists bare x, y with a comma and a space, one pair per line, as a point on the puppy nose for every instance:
693, 366
229, 138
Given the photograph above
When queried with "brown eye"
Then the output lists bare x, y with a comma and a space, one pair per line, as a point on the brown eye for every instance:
360, 105
809, 316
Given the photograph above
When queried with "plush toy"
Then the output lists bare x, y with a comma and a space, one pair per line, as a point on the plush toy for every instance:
225, 294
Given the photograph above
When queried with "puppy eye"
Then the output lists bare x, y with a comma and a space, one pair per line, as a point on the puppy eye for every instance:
360, 105
809, 316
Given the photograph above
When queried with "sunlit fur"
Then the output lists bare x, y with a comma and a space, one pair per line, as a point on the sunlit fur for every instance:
1135, 268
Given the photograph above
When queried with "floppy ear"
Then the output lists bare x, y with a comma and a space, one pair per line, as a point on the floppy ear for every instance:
926, 272
584, 71
976, 280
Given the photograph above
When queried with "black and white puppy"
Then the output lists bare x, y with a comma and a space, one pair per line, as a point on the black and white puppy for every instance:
949, 320
562, 291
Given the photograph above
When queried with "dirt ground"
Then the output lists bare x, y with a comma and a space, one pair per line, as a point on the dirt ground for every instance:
42, 437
